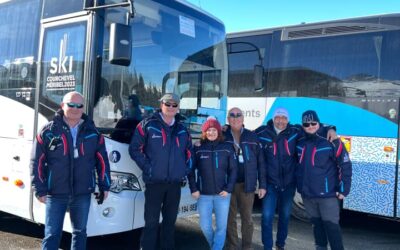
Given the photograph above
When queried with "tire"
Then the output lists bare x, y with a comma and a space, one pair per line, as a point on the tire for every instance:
298, 210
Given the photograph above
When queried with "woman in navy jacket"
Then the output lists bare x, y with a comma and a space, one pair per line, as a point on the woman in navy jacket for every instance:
214, 165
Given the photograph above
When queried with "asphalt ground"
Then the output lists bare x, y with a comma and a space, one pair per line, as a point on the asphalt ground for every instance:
360, 232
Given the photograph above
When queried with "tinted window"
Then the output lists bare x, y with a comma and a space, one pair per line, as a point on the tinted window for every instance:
244, 53
362, 65
19, 25
172, 52
54, 8
62, 65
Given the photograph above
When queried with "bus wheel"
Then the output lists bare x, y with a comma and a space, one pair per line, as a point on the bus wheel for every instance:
298, 210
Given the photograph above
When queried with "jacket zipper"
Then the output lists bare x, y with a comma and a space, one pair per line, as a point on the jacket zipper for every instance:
215, 166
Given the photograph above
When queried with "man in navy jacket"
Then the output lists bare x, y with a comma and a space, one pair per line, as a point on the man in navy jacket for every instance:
323, 179
68, 156
279, 139
251, 168
161, 148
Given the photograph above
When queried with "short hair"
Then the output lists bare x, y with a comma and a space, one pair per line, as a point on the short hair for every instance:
67, 95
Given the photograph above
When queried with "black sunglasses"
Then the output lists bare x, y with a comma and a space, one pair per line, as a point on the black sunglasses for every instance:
308, 124
174, 105
75, 105
233, 115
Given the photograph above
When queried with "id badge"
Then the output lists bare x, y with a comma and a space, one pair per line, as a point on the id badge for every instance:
76, 154
241, 160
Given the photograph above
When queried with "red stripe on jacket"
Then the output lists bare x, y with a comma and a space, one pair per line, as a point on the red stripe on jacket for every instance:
40, 167
39, 139
103, 165
287, 146
64, 140
339, 151
140, 129
164, 137
302, 154
82, 150
314, 151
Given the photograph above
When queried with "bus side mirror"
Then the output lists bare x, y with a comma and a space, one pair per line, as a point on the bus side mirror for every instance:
258, 77
120, 44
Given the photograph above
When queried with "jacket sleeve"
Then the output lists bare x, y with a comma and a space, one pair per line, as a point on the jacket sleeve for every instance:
137, 146
38, 166
262, 167
324, 129
189, 151
263, 142
232, 172
192, 172
344, 168
102, 165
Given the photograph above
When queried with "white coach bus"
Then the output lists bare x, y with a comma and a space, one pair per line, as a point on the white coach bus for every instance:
122, 55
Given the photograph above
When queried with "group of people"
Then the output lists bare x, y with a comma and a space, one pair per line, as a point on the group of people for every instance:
225, 169
227, 166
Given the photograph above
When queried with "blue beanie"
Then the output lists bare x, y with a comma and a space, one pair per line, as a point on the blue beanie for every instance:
309, 116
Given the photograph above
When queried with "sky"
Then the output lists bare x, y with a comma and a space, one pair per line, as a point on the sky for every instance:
240, 15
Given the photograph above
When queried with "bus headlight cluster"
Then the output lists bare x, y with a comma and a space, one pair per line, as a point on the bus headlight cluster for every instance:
124, 181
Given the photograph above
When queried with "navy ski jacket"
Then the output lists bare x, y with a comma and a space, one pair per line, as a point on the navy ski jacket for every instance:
324, 168
215, 166
280, 153
55, 170
161, 151
254, 162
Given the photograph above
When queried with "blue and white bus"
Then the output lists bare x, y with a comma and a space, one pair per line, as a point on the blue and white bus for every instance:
349, 72
122, 55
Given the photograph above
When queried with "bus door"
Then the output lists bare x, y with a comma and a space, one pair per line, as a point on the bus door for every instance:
201, 94
63, 61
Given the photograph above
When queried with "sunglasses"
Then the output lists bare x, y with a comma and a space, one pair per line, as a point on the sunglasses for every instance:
233, 115
174, 105
75, 105
308, 124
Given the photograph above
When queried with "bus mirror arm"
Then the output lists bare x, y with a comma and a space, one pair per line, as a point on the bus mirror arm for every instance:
90, 5
258, 77
131, 9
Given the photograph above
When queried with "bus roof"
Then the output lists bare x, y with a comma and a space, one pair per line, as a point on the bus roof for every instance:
373, 20
199, 10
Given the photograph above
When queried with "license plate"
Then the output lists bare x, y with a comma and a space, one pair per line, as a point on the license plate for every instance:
188, 209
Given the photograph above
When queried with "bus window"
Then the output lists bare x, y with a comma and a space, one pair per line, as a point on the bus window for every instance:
18, 46
166, 57
244, 57
62, 65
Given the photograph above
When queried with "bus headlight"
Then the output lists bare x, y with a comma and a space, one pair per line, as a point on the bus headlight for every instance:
124, 181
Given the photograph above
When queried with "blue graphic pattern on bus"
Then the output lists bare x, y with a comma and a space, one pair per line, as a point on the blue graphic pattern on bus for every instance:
398, 197
369, 193
348, 119
374, 170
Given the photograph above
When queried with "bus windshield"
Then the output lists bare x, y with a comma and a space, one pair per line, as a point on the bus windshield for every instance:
184, 54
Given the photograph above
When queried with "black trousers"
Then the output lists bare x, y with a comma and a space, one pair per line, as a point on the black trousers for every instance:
324, 213
164, 198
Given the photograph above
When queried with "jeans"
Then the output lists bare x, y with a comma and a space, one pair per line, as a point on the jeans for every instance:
206, 204
56, 207
242, 202
164, 198
269, 203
